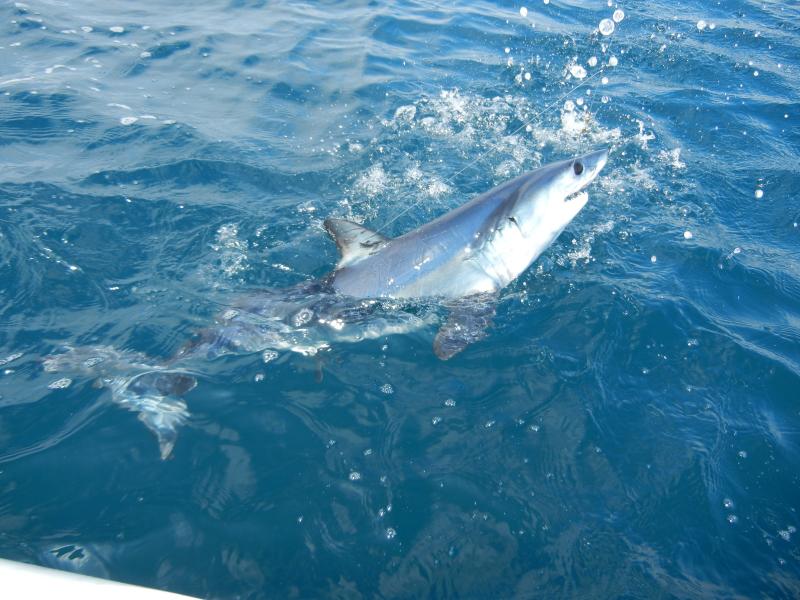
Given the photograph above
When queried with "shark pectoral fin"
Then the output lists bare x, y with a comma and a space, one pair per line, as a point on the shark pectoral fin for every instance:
354, 241
466, 323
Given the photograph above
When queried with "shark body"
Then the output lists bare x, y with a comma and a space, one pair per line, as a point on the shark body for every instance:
460, 261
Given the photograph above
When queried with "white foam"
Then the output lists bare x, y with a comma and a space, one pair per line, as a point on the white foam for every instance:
373, 182
405, 113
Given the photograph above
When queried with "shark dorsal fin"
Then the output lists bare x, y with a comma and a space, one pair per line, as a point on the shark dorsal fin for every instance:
354, 241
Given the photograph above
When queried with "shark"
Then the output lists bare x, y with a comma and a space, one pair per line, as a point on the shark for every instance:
380, 286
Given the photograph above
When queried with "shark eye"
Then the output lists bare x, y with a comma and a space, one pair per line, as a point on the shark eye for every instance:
578, 167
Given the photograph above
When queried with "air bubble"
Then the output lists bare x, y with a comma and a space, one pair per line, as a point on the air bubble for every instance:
578, 72
618, 15
60, 384
606, 26
701, 24
759, 194
523, 11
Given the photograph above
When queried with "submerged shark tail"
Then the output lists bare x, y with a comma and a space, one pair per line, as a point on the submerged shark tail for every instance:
153, 392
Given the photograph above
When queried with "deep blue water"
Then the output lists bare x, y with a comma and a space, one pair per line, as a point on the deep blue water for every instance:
629, 428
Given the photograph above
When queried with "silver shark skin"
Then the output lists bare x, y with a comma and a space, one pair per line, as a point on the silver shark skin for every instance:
478, 248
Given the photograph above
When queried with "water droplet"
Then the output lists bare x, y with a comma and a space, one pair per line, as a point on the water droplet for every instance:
733, 519
390, 533
742, 454
701, 24
578, 72
355, 476
618, 15
523, 11
653, 258
606, 26
687, 235
592, 62
759, 194
727, 503
387, 388
613, 61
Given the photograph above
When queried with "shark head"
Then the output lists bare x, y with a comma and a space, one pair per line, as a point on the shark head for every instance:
542, 204
549, 198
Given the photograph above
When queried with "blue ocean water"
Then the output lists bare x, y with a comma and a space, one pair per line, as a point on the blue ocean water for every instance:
629, 428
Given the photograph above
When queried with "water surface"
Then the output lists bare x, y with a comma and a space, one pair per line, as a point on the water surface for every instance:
629, 428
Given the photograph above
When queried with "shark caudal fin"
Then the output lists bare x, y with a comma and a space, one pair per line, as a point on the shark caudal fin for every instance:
153, 392
156, 397
353, 240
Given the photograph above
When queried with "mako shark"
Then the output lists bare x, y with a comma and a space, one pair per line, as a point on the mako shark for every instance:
459, 261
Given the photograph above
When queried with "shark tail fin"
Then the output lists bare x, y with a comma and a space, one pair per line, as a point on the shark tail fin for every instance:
156, 397
153, 392
354, 241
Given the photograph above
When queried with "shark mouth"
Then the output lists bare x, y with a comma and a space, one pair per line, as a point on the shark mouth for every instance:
580, 197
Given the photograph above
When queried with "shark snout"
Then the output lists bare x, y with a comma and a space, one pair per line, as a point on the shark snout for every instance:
590, 164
